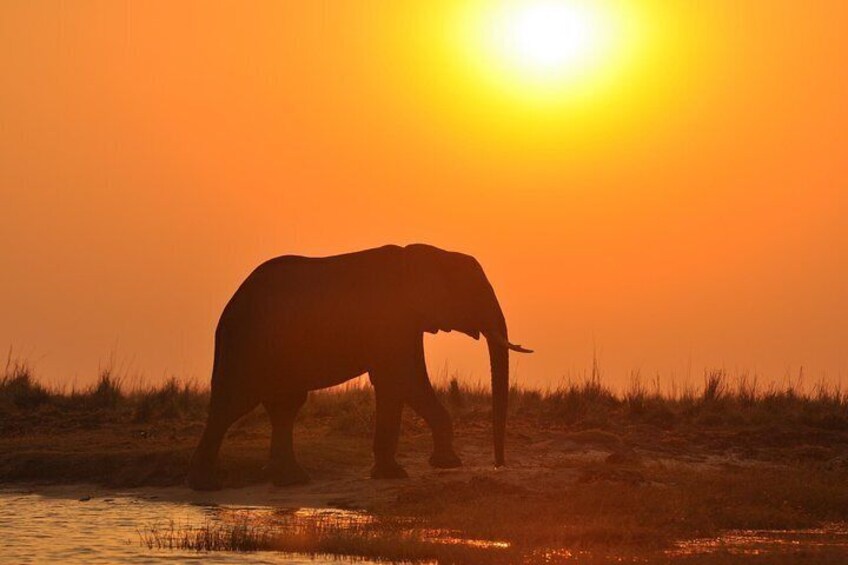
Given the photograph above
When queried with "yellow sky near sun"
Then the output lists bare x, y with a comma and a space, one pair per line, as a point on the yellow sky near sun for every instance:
677, 204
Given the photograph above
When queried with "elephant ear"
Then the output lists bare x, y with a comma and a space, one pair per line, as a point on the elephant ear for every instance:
427, 290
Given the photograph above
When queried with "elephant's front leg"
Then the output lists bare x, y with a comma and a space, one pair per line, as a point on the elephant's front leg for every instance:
389, 410
422, 398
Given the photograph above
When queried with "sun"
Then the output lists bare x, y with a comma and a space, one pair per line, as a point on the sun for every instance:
547, 52
550, 37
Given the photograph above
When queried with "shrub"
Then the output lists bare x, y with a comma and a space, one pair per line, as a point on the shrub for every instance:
19, 389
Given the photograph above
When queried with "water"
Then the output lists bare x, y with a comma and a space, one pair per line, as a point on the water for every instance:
830, 537
108, 529
63, 526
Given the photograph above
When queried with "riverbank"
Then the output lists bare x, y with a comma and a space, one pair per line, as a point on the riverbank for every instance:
587, 470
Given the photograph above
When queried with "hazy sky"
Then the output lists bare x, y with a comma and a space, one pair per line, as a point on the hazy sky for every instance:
681, 206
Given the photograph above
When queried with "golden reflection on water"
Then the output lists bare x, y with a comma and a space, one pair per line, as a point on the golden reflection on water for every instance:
67, 528
759, 542
100, 530
455, 537
312, 523
324, 520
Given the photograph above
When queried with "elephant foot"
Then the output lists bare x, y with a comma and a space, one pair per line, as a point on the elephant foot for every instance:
445, 460
388, 471
288, 475
203, 481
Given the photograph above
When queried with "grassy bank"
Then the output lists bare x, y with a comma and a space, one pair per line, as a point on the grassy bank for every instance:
588, 469
26, 404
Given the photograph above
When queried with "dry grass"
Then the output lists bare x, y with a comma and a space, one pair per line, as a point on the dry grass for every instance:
242, 536
601, 472
25, 402
586, 404
358, 535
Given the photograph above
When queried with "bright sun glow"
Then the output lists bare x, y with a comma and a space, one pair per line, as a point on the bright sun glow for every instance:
550, 51
550, 37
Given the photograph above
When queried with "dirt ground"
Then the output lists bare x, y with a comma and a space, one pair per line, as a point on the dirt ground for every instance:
601, 483
338, 457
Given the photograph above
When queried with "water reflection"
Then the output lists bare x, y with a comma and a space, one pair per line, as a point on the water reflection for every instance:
131, 529
758, 542
81, 530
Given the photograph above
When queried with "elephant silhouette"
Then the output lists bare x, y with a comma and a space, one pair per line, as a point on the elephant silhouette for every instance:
300, 323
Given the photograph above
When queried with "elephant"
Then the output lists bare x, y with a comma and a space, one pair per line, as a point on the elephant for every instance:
298, 324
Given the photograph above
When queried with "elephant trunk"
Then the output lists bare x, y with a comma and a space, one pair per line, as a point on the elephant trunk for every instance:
499, 359
497, 339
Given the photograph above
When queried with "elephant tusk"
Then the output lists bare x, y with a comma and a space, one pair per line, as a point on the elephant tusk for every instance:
519, 349
498, 339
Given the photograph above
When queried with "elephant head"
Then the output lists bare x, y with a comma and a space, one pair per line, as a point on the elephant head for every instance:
449, 291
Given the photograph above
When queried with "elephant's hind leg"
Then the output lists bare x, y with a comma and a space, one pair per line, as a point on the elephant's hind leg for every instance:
387, 432
224, 410
283, 467
387, 429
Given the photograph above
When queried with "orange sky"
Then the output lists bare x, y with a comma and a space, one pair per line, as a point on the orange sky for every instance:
688, 211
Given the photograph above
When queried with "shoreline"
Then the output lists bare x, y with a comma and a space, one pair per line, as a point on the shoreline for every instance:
585, 468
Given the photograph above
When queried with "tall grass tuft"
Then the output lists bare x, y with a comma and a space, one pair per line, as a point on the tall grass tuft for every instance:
19, 389
106, 394
455, 397
169, 400
715, 387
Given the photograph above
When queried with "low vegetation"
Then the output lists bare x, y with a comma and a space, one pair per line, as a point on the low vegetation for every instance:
350, 534
587, 403
591, 472
24, 401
